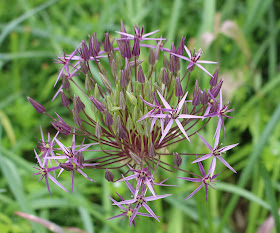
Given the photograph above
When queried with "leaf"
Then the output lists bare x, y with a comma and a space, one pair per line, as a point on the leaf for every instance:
271, 197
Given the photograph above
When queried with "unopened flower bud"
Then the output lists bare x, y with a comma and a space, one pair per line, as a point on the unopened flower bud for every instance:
180, 49
122, 134
95, 43
123, 81
216, 90
131, 98
166, 121
106, 82
166, 63
177, 159
61, 126
124, 48
65, 82
84, 51
136, 47
123, 29
204, 97
165, 78
114, 68
122, 101
152, 151
107, 43
214, 79
179, 90
97, 104
172, 49
152, 57
89, 83
76, 118
64, 100
38, 107
196, 95
84, 67
78, 104
80, 158
117, 124
185, 108
98, 131
141, 77
108, 118
109, 176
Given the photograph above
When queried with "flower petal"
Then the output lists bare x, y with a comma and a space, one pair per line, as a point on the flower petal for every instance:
204, 157
205, 142
226, 148
164, 101
150, 33
180, 105
167, 128
182, 129
226, 163
195, 191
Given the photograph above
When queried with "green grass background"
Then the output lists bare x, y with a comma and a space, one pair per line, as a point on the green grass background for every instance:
242, 35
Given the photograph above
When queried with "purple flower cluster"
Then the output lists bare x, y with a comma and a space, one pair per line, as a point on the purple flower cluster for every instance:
131, 119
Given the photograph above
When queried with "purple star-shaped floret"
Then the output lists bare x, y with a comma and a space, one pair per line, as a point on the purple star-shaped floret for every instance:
140, 201
157, 109
127, 211
220, 113
174, 115
74, 160
143, 177
46, 147
216, 153
205, 180
194, 60
65, 60
139, 34
45, 173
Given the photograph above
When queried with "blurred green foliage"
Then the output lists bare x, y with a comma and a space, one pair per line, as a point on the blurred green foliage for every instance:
242, 35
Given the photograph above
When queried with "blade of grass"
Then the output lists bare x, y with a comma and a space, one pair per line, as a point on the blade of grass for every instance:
185, 208
7, 125
245, 175
12, 24
25, 55
254, 208
227, 9
272, 46
17, 160
250, 104
208, 16
10, 172
265, 44
242, 193
37, 32
255, 15
174, 21
86, 219
271, 197
80, 201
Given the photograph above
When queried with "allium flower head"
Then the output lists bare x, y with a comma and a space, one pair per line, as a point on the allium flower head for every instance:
128, 102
